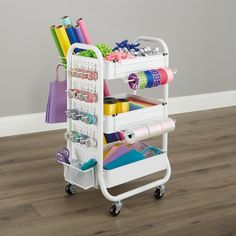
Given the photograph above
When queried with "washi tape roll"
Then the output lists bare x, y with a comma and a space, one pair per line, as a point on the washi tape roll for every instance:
164, 76
109, 106
170, 75
150, 78
122, 105
142, 79
156, 77
65, 20
133, 81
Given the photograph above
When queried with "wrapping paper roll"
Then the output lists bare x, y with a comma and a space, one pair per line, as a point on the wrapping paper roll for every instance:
72, 36
57, 43
65, 20
150, 130
84, 31
137, 134
79, 34
63, 39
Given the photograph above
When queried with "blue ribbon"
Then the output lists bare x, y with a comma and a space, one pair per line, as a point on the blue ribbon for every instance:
150, 78
126, 44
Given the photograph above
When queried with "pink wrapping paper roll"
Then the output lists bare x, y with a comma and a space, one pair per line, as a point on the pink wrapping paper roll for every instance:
84, 31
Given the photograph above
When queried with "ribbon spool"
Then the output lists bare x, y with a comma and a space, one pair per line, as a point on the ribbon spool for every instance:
167, 75
156, 78
73, 135
72, 93
90, 97
150, 78
122, 105
133, 81
142, 79
70, 112
109, 106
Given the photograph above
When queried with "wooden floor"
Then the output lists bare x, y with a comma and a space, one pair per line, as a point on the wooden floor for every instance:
200, 198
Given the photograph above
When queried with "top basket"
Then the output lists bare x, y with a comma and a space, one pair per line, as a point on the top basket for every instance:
117, 70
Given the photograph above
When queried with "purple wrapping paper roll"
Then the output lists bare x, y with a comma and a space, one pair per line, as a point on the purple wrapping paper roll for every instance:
79, 34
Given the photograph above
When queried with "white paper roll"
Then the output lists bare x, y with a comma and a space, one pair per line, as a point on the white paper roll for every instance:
137, 134
149, 130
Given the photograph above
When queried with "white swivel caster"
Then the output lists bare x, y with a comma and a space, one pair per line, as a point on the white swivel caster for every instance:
70, 189
116, 208
159, 192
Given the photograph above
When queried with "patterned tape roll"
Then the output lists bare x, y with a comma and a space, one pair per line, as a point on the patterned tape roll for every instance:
164, 76
156, 78
133, 81
170, 75
142, 79
150, 78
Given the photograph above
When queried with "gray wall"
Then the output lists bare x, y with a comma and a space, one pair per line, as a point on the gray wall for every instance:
200, 34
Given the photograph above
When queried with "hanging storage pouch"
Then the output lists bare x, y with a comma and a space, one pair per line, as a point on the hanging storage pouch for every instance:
130, 157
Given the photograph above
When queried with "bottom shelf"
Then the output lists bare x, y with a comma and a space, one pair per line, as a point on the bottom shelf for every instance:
135, 170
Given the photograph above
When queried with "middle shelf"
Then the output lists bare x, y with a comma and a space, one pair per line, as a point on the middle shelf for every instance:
122, 121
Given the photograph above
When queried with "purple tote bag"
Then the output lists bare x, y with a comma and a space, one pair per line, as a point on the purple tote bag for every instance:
56, 105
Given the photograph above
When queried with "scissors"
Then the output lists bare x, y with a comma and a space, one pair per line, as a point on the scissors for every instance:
63, 156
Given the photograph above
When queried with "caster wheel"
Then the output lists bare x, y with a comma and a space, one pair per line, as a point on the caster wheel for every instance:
159, 193
115, 209
70, 189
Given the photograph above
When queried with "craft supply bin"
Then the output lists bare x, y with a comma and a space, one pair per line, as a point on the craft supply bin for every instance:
98, 177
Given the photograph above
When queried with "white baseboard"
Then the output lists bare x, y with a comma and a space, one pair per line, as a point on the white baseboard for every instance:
33, 123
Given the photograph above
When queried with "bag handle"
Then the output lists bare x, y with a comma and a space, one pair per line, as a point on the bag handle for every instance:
57, 71
151, 148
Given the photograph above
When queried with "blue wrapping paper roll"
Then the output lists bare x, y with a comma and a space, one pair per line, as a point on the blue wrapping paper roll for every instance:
65, 20
72, 36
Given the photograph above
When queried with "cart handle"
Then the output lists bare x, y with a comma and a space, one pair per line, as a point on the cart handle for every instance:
153, 39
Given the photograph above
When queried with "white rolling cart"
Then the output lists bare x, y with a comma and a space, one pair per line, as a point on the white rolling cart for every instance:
79, 153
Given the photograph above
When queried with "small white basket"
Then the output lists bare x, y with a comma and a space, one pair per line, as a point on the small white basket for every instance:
84, 179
